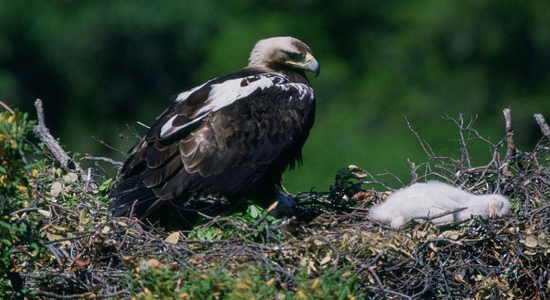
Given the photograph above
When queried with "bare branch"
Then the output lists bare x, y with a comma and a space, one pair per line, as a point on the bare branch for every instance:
43, 134
511, 149
105, 159
5, 106
109, 146
543, 125
414, 176
439, 215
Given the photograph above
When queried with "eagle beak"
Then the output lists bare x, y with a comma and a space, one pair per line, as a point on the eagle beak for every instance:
309, 64
312, 64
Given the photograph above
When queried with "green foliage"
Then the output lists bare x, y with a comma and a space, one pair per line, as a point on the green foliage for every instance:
15, 193
516, 205
105, 189
381, 61
253, 282
233, 225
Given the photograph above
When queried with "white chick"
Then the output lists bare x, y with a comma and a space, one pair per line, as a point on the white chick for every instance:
423, 200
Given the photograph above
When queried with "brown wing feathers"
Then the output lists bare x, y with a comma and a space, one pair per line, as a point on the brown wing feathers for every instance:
217, 139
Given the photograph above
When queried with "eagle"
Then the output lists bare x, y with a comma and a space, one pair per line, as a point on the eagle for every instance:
232, 136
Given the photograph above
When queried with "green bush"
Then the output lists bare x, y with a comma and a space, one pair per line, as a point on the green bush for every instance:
18, 235
150, 280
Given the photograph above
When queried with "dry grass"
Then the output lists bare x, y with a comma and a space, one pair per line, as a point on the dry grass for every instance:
88, 253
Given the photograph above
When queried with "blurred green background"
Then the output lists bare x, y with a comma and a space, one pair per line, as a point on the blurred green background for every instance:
98, 65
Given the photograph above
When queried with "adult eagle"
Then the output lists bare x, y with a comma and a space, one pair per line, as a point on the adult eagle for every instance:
232, 136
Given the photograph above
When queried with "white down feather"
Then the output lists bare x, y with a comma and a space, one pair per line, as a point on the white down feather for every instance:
422, 200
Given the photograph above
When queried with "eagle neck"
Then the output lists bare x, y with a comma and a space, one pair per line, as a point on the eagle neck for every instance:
295, 76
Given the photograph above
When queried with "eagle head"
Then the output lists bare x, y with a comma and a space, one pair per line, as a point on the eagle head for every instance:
285, 52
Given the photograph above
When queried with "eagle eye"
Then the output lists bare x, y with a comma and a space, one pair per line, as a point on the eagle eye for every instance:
294, 56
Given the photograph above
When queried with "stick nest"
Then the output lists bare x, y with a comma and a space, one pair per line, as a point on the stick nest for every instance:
86, 253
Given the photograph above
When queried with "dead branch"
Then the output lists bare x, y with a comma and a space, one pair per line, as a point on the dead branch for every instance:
462, 131
425, 146
511, 149
414, 176
6, 107
105, 159
109, 146
543, 125
439, 215
43, 134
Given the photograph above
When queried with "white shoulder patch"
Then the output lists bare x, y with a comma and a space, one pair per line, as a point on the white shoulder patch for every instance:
227, 92
168, 128
184, 95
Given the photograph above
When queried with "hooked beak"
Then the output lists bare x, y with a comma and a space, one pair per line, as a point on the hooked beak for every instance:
312, 64
309, 64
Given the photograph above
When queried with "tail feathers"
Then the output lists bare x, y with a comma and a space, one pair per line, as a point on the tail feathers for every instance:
131, 198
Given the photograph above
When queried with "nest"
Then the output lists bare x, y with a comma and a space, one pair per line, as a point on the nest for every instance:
87, 253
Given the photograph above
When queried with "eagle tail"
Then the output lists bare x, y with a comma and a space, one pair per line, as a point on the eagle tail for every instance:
132, 198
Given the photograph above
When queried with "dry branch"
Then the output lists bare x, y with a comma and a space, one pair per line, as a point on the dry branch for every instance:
111, 161
511, 150
544, 128
43, 134
6, 107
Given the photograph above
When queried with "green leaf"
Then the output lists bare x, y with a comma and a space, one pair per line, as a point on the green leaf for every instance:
105, 185
32, 166
254, 211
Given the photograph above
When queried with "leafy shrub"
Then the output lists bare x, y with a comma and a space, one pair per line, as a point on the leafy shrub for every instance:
18, 235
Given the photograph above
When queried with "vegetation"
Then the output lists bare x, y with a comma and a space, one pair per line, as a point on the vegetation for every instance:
16, 178
159, 282
60, 242
99, 64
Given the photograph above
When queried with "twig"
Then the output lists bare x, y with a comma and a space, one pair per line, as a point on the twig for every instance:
511, 150
78, 296
414, 176
439, 215
142, 124
378, 282
363, 175
133, 130
331, 246
109, 146
402, 295
4, 105
43, 134
543, 125
89, 175
426, 147
105, 159
538, 210
465, 155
